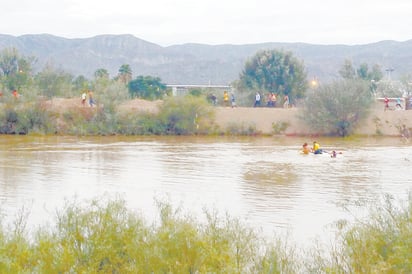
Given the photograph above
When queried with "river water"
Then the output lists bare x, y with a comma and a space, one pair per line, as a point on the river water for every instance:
264, 181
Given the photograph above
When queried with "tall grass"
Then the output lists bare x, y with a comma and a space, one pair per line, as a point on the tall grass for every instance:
20, 116
383, 243
379, 243
103, 235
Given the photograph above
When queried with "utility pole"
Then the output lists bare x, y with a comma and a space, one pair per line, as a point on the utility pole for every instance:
389, 72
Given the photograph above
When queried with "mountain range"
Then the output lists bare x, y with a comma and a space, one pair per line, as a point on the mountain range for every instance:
198, 63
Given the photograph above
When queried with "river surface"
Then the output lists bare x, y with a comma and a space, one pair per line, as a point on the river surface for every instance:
264, 181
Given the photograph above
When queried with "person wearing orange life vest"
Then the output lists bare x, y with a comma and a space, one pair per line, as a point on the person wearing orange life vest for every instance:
305, 148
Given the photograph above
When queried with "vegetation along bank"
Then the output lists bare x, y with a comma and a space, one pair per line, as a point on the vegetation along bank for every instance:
50, 101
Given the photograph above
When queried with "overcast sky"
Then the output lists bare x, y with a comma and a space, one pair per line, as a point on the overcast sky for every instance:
170, 22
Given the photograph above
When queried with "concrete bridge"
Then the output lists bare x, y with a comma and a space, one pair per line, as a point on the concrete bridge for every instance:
179, 90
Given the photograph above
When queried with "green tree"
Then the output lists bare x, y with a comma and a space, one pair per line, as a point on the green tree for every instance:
337, 108
101, 79
101, 73
80, 83
15, 69
147, 87
347, 71
274, 71
9, 61
376, 74
364, 73
54, 82
125, 73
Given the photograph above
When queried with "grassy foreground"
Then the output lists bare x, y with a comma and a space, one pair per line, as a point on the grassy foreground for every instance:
103, 236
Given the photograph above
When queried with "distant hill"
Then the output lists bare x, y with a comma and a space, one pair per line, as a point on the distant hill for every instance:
197, 63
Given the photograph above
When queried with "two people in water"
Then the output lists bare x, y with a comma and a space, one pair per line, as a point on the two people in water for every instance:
316, 149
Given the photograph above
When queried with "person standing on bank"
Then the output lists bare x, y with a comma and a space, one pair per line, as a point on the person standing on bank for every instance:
273, 99
91, 99
386, 102
226, 98
233, 99
286, 101
84, 98
257, 100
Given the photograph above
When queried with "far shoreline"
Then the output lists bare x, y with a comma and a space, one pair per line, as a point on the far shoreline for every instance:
378, 123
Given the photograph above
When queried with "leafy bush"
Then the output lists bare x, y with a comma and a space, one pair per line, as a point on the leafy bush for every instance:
104, 236
186, 115
337, 108
140, 124
90, 121
23, 118
383, 243
280, 127
110, 95
379, 243
36, 118
247, 129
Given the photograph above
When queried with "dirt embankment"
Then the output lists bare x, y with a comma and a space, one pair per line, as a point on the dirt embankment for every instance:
382, 122
379, 121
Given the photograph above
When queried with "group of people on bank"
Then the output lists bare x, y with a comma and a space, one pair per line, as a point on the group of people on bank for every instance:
271, 100
230, 100
89, 96
226, 99
398, 103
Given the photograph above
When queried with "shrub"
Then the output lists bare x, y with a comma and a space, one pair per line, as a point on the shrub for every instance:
247, 129
383, 243
379, 243
36, 118
22, 118
140, 124
90, 121
186, 115
280, 127
104, 236
337, 108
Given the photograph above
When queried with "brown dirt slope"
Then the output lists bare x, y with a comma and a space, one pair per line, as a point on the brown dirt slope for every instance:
382, 122
379, 122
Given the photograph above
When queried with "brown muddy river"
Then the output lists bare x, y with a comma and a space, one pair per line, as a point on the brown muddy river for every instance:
265, 181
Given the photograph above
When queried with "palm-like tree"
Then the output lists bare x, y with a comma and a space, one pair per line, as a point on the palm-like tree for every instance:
125, 73
101, 73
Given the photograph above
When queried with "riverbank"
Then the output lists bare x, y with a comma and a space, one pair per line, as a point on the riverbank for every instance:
379, 122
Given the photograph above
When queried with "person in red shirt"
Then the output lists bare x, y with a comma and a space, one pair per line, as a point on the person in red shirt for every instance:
386, 101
